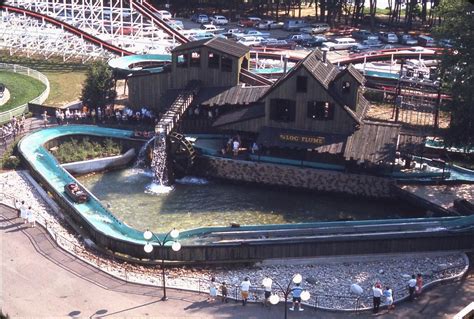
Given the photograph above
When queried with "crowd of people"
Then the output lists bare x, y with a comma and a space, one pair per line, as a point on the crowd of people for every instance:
100, 115
234, 146
13, 128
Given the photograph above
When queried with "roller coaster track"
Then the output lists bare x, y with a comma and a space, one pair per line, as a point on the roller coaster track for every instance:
147, 10
67, 27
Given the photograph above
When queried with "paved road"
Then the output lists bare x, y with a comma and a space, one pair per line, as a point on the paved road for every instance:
38, 279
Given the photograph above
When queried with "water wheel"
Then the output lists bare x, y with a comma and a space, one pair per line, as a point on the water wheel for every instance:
181, 154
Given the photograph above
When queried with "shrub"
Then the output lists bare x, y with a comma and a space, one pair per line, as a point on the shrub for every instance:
74, 150
10, 159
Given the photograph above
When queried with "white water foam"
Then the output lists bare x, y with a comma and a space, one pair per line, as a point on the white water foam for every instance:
192, 180
155, 188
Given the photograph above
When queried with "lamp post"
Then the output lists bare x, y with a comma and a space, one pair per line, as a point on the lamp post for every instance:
171, 236
285, 290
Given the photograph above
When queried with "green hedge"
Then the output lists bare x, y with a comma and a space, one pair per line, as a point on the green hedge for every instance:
75, 150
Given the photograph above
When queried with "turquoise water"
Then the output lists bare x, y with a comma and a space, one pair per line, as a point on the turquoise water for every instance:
31, 148
196, 202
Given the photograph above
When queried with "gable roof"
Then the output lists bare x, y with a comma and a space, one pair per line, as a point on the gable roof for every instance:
222, 45
350, 69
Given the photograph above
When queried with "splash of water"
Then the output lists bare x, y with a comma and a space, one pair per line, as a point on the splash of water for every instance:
155, 188
159, 162
140, 162
192, 180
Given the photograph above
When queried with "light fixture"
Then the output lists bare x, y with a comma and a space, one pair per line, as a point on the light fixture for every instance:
147, 235
305, 295
297, 279
274, 299
176, 246
174, 233
148, 248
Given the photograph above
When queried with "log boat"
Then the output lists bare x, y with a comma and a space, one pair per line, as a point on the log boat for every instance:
76, 193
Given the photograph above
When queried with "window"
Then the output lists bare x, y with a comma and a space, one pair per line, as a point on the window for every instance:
213, 60
346, 87
282, 110
183, 60
226, 64
301, 84
319, 110
195, 59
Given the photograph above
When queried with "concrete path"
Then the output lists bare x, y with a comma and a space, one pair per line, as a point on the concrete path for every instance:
38, 279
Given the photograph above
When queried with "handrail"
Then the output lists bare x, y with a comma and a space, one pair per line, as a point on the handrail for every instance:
8, 115
124, 271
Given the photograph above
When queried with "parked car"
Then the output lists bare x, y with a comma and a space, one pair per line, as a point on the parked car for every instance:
220, 20
251, 33
269, 24
176, 24
200, 18
230, 32
163, 15
312, 42
426, 41
316, 28
211, 28
249, 22
344, 30
372, 42
299, 38
362, 34
407, 39
251, 41
388, 37
294, 25
278, 44
446, 43
340, 44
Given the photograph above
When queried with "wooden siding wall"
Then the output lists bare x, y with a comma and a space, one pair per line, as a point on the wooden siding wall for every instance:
252, 125
207, 76
146, 90
342, 122
350, 98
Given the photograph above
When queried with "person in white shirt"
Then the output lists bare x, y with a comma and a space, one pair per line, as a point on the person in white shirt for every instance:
388, 294
244, 290
377, 292
235, 147
411, 287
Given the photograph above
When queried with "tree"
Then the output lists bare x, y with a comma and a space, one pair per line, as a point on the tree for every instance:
98, 90
457, 68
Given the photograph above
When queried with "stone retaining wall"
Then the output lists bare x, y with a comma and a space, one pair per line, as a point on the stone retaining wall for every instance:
297, 177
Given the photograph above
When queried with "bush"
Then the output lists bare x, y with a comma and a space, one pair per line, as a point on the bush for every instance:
75, 150
374, 96
10, 159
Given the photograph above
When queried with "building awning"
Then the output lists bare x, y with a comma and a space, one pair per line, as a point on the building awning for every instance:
298, 139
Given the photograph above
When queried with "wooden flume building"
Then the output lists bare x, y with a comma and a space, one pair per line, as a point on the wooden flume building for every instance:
314, 112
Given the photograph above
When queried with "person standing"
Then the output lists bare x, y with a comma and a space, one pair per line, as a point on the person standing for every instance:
235, 147
267, 288
388, 294
411, 287
212, 289
45, 118
224, 292
419, 284
244, 290
31, 217
296, 292
377, 293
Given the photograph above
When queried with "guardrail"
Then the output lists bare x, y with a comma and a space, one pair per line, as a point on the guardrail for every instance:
15, 68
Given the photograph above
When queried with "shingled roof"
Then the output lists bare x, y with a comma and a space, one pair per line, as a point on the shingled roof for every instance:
359, 77
218, 44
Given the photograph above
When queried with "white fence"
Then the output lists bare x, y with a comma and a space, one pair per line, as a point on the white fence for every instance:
8, 115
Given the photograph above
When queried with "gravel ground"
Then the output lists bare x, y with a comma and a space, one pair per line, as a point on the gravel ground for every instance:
327, 281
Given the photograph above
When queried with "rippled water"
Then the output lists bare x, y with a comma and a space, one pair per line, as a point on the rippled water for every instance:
194, 202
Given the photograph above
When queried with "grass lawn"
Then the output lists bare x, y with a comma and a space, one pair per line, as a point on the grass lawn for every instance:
22, 89
65, 78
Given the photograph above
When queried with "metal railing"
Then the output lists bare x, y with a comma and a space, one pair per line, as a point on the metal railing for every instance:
124, 271
15, 68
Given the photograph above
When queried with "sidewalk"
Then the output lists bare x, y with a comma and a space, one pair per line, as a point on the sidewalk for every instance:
39, 279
